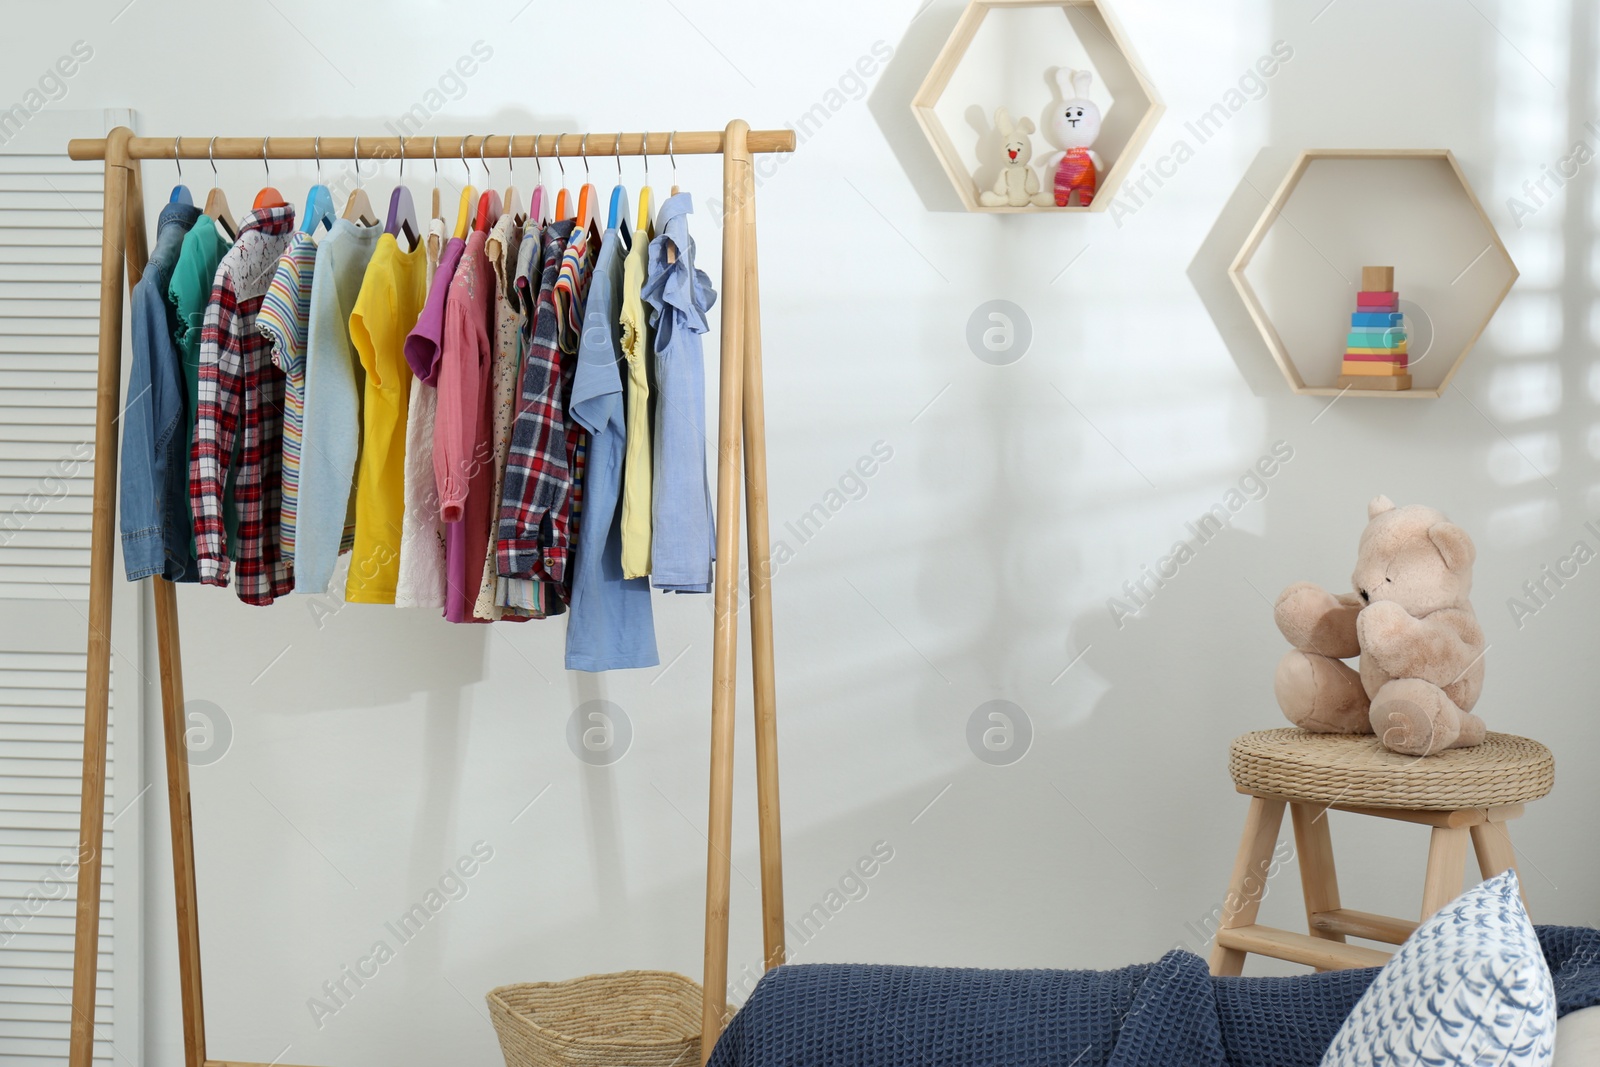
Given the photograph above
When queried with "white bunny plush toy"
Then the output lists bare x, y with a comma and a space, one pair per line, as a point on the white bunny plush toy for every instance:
1017, 184
1074, 125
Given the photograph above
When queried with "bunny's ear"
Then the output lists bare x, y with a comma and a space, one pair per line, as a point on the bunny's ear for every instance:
1065, 77
1002, 120
1026, 125
1081, 80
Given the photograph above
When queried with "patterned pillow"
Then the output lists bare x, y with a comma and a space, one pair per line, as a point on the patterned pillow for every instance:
1469, 988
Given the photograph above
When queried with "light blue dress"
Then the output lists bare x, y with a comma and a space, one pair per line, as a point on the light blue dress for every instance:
681, 539
610, 626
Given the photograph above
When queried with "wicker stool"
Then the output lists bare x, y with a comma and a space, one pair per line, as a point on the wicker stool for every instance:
1462, 793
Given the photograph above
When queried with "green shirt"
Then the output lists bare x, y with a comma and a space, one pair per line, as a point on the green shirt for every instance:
190, 291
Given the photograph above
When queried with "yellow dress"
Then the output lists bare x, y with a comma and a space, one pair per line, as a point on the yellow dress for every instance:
636, 468
391, 297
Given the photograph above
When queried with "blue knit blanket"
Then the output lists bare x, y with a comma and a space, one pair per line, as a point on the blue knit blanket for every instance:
1171, 1013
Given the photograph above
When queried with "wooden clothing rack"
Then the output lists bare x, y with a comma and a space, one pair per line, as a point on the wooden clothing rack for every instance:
741, 446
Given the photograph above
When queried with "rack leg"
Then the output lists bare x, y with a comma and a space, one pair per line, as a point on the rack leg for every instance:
183, 880
97, 677
761, 665
725, 633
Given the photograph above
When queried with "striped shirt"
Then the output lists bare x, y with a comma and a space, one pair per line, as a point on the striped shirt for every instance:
283, 316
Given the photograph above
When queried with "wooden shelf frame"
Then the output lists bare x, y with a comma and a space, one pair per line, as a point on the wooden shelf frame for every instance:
1270, 215
925, 103
741, 454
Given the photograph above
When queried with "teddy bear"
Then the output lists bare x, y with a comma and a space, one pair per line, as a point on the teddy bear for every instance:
1017, 184
1410, 621
1074, 125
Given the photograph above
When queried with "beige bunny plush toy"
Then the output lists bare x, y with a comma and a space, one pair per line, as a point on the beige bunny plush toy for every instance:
1411, 622
1017, 185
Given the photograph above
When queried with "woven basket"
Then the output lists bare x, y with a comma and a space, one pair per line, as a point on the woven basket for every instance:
628, 1019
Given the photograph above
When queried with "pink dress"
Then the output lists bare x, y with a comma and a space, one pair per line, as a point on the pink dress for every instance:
463, 448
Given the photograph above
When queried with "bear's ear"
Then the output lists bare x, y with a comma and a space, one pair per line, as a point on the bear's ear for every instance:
1453, 544
1378, 506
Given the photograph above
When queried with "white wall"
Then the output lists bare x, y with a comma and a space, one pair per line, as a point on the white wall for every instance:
372, 748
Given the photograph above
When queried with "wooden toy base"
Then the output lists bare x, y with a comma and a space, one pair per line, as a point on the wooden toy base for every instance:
1375, 381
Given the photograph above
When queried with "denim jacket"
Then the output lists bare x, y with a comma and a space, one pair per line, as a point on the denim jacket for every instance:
155, 469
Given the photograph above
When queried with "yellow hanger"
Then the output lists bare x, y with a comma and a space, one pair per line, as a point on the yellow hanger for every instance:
469, 197
358, 209
645, 230
217, 200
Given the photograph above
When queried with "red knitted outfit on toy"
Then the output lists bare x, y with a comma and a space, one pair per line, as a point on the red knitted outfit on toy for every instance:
1075, 171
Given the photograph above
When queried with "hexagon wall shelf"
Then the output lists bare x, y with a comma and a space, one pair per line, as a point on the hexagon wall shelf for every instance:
1004, 53
1342, 209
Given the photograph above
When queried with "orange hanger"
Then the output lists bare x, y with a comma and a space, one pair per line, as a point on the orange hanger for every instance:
488, 210
563, 198
217, 201
586, 195
268, 196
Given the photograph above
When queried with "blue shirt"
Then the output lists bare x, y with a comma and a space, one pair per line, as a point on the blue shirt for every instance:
155, 437
610, 627
334, 381
682, 543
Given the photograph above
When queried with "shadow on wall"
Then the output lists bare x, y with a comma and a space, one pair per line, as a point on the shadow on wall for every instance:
1208, 271
890, 103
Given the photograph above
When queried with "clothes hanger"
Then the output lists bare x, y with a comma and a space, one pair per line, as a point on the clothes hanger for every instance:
563, 198
358, 209
468, 196
180, 192
489, 203
586, 195
643, 229
619, 196
509, 201
670, 138
402, 209
217, 201
536, 201
268, 197
437, 213
319, 200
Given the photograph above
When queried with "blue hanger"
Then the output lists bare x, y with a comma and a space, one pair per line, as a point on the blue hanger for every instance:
180, 192
619, 196
319, 201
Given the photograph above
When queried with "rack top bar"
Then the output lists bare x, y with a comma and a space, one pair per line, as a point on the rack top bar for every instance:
595, 145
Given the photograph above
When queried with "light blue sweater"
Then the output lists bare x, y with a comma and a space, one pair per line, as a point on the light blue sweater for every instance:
334, 382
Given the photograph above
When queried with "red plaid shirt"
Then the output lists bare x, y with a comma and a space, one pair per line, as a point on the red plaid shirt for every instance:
535, 496
237, 378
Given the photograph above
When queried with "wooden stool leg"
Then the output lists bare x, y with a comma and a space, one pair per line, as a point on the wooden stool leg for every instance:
1319, 882
1249, 879
1492, 842
1447, 859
